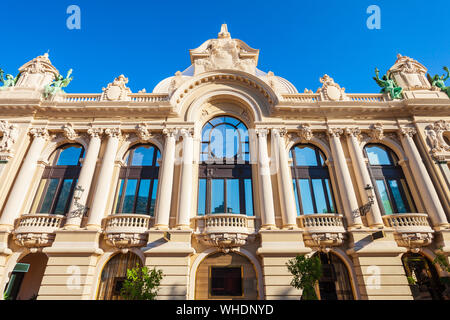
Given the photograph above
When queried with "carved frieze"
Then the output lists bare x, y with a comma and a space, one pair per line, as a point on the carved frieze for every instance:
435, 136
9, 134
330, 90
117, 90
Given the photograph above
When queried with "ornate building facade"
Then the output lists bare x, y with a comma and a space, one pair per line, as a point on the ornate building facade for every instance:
220, 176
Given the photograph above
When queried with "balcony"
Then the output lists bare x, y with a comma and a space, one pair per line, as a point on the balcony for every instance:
34, 231
225, 231
124, 231
412, 230
322, 230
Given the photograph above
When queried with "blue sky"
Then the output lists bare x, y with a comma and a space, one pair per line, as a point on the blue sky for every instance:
148, 41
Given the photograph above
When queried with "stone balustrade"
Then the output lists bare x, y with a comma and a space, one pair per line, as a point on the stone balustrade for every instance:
126, 230
37, 230
322, 230
225, 231
408, 222
366, 97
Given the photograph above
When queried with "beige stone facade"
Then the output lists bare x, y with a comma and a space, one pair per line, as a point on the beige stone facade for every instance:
68, 253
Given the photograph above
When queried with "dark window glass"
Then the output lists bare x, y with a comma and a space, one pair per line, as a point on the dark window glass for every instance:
311, 181
59, 180
226, 281
138, 181
390, 186
225, 184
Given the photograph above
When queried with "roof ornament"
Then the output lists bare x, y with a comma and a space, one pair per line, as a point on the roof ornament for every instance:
224, 32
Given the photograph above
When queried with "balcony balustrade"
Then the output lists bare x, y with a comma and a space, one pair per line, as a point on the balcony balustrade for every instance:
126, 230
322, 230
37, 230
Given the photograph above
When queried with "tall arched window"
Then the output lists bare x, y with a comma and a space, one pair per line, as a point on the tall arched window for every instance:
335, 281
138, 181
59, 180
311, 180
390, 184
225, 175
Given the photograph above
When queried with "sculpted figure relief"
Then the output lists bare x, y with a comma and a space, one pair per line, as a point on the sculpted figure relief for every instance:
9, 80
10, 135
57, 85
388, 86
439, 81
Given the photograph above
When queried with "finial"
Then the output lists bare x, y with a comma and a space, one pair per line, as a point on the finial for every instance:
224, 31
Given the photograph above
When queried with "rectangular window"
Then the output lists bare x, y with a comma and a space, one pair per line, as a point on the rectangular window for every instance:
119, 195
384, 197
296, 197
397, 196
226, 281
217, 196
153, 199
305, 193
142, 198
248, 197
130, 193
49, 196
201, 197
319, 196
233, 196
330, 197
63, 197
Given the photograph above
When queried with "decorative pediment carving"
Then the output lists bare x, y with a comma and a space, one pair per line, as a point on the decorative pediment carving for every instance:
376, 132
37, 73
69, 132
409, 74
331, 90
224, 53
117, 90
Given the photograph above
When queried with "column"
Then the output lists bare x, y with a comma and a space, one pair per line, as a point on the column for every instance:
77, 206
102, 191
24, 178
266, 195
185, 198
349, 202
423, 180
163, 201
362, 175
285, 186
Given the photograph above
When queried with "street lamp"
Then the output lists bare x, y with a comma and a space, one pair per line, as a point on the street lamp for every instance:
366, 208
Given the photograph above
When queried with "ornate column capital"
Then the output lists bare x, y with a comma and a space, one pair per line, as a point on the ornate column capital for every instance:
408, 131
335, 132
39, 133
353, 132
279, 132
186, 132
169, 132
113, 132
69, 132
95, 132
262, 132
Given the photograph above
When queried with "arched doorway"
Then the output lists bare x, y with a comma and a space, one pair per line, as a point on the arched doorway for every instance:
335, 281
227, 277
114, 273
26, 277
422, 276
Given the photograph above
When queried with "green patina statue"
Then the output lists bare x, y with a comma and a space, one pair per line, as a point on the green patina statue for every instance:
388, 86
57, 85
439, 82
9, 80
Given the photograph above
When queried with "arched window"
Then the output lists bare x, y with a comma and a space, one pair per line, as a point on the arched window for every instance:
335, 281
311, 179
59, 180
114, 274
422, 277
138, 181
390, 184
225, 175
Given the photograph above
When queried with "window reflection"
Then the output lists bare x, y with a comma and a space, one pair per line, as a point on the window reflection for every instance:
311, 181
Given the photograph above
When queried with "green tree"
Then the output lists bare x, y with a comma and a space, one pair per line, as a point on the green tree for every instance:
141, 283
306, 272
